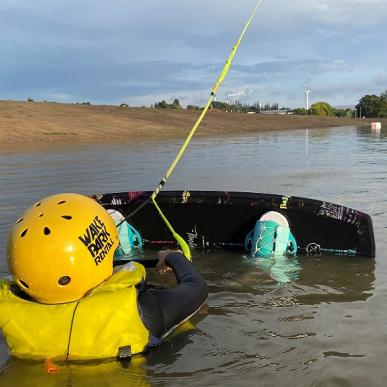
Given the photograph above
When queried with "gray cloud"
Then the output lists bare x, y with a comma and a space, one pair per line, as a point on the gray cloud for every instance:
109, 51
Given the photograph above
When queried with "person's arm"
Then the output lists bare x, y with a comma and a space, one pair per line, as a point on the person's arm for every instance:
184, 270
163, 309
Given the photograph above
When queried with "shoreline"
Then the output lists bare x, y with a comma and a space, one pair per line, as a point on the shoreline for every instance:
47, 122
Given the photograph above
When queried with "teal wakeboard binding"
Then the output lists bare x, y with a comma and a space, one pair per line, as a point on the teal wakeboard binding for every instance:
270, 237
128, 236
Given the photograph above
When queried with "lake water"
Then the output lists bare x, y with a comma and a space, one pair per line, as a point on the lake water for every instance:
325, 324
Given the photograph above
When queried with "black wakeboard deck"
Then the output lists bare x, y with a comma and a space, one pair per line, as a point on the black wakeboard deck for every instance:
209, 219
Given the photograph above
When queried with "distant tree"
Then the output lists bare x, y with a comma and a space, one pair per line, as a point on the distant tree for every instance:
161, 105
175, 104
383, 113
343, 112
322, 109
238, 106
383, 110
301, 111
372, 106
257, 107
193, 107
164, 105
266, 107
221, 105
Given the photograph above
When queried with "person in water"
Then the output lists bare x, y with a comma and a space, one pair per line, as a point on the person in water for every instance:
64, 302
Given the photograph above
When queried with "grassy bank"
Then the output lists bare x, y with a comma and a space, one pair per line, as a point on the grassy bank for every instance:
50, 122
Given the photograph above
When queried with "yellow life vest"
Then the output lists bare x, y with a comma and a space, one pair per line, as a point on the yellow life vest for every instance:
98, 326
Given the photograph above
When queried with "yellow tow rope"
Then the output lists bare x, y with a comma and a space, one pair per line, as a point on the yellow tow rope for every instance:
183, 244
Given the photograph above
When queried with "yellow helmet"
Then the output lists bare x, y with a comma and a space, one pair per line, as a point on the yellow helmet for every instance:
62, 247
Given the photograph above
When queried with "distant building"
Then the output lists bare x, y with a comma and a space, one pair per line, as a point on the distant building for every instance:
283, 111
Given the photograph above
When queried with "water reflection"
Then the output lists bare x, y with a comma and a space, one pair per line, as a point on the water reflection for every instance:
367, 131
306, 142
281, 268
308, 280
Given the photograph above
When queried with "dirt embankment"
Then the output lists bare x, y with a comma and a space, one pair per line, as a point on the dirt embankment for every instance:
50, 122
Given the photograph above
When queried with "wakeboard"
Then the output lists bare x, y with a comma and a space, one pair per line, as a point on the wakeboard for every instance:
217, 219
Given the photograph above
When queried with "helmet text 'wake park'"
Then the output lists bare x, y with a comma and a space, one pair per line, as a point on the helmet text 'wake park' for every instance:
62, 247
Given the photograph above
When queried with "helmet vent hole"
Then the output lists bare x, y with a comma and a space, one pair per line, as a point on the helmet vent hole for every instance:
19, 220
38, 204
65, 280
23, 284
67, 217
40, 215
62, 201
47, 231
24, 232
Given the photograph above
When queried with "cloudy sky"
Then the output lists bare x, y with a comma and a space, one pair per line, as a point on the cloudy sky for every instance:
110, 52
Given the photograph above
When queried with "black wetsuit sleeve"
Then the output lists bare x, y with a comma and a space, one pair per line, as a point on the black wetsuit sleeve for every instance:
163, 309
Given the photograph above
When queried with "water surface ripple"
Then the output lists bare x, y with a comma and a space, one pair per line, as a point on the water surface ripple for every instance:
325, 326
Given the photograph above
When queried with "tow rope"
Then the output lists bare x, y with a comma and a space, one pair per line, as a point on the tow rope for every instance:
182, 243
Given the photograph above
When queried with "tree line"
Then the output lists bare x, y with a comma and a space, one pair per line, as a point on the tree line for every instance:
373, 106
164, 105
236, 106
324, 109
369, 106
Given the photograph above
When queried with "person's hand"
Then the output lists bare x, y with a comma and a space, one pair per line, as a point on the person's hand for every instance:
161, 266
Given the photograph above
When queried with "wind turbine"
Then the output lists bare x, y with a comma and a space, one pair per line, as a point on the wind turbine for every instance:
307, 91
